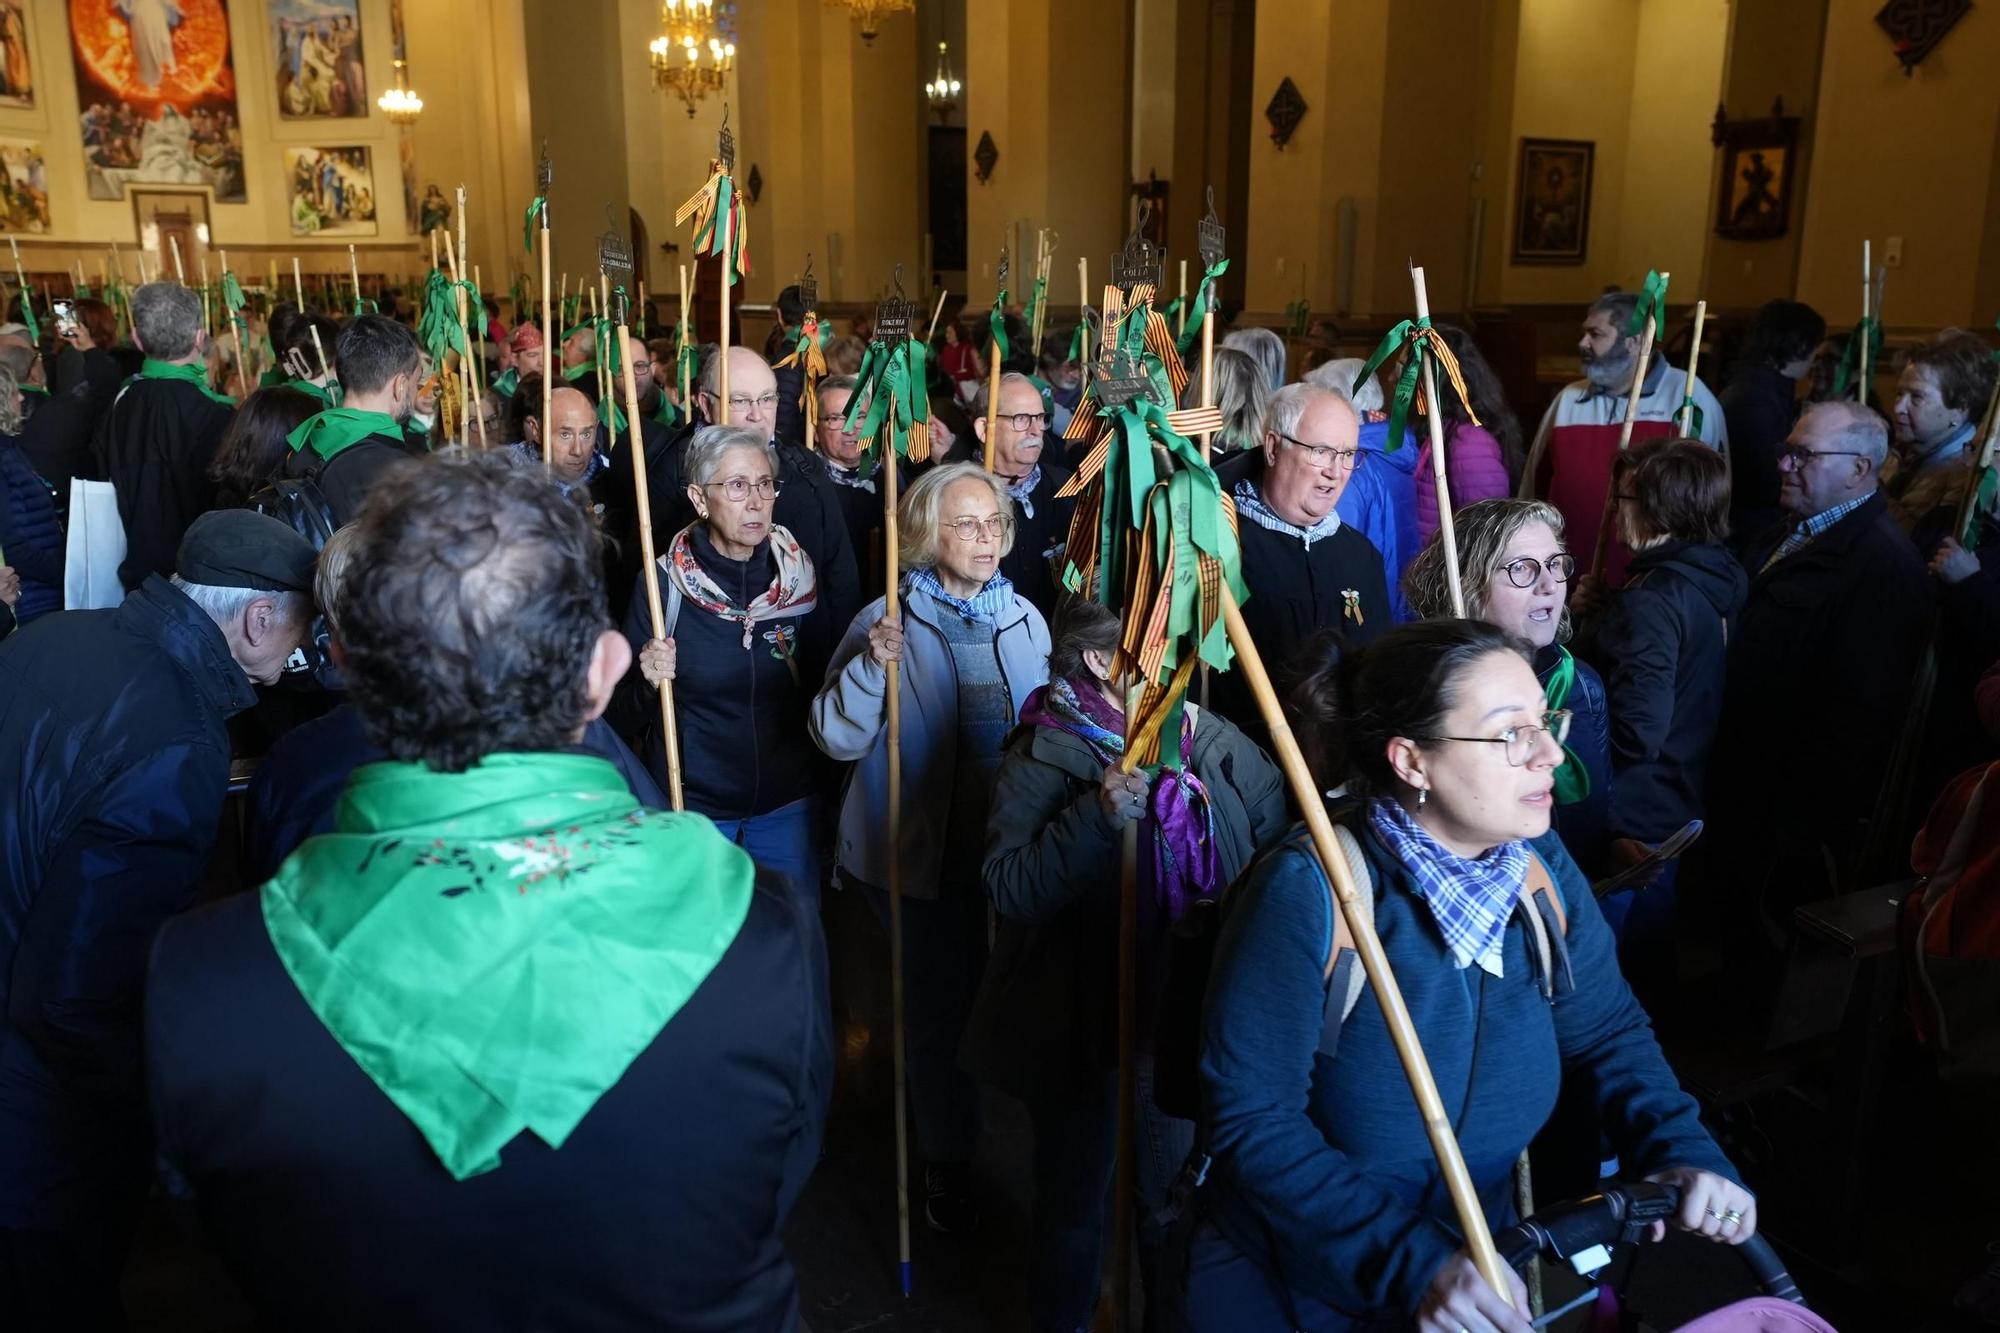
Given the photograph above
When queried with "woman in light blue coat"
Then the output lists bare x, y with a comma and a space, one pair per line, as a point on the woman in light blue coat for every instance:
970, 652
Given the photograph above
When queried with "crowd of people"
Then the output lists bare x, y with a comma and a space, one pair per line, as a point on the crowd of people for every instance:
469, 958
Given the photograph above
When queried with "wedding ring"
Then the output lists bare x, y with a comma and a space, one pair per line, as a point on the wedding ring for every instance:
1731, 1218
1712, 1213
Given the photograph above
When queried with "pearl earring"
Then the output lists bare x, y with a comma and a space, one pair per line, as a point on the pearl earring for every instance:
1423, 794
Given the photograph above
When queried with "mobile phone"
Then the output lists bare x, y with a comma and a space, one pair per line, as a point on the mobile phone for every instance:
65, 317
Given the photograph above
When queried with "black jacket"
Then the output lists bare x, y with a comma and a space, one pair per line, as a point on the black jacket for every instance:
741, 711
298, 784
115, 759
862, 507
1819, 674
808, 507
347, 477
1760, 406
1040, 539
155, 444
1296, 589
1662, 648
661, 1211
1045, 1021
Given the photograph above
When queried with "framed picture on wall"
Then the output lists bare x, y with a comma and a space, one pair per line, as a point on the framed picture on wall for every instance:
24, 187
317, 46
17, 69
1755, 202
1552, 210
332, 191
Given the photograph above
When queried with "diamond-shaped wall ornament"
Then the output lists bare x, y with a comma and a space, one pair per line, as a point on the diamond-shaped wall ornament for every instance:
985, 155
755, 181
1917, 26
1287, 109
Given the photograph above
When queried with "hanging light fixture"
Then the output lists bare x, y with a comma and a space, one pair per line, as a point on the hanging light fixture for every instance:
870, 13
400, 104
695, 51
944, 87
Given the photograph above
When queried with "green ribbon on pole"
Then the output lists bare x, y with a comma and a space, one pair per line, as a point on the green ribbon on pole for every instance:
538, 211
1076, 336
892, 384
1571, 777
1204, 294
1403, 396
1038, 298
438, 330
996, 324
1982, 505
1850, 356
1652, 304
34, 326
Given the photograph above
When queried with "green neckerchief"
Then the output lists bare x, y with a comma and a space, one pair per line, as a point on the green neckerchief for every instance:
506, 382
319, 391
495, 947
195, 375
272, 377
338, 428
41, 389
1572, 778
577, 372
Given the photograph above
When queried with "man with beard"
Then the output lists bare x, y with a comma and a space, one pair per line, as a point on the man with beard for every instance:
1569, 463
345, 449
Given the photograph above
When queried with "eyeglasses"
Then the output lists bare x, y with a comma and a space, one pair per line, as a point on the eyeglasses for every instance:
995, 526
1024, 421
1527, 571
1799, 457
739, 488
1520, 741
1323, 455
764, 403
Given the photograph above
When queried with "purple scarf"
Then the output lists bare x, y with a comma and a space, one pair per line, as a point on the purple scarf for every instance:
1186, 866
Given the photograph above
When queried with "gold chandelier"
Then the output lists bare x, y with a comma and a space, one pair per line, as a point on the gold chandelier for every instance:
400, 104
943, 89
695, 51
870, 13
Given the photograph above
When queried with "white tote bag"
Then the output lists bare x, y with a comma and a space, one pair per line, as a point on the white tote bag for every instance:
96, 547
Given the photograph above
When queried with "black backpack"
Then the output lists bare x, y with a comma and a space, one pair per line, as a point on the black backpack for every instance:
297, 503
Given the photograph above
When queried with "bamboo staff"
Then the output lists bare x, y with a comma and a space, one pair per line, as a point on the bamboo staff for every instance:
236, 330
1686, 426
464, 371
892, 609
1182, 304
1447, 536
206, 327
354, 272
1625, 431
1867, 298
943, 292
599, 352
1207, 386
686, 335
298, 284
180, 273
1361, 925
21, 277
645, 311
727, 261
1083, 306
548, 347
993, 376
669, 731
1987, 439
80, 283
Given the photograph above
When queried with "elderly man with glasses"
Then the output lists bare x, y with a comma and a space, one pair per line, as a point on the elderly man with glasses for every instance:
1033, 477
1820, 668
807, 504
1304, 567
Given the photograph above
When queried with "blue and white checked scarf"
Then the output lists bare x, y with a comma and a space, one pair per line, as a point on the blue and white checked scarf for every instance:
1023, 490
985, 605
1470, 898
1250, 505
1799, 537
850, 477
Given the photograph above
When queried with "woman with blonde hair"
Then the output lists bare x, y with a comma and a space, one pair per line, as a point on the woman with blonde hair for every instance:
1517, 572
970, 652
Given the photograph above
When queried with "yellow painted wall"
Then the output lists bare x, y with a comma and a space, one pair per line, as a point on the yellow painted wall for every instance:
1427, 160
1290, 247
1910, 157
1665, 213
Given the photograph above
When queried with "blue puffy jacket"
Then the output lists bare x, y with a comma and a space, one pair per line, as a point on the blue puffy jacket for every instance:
31, 540
1381, 503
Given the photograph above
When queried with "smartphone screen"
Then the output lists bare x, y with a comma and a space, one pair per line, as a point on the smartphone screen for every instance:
65, 316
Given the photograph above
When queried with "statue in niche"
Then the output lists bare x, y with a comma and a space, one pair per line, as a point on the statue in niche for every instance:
435, 212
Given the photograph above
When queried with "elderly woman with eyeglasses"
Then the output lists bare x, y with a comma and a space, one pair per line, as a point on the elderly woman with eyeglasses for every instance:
746, 642
971, 650
1517, 573
1323, 1206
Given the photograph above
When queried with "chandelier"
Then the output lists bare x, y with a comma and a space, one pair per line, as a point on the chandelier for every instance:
943, 90
400, 104
695, 51
870, 13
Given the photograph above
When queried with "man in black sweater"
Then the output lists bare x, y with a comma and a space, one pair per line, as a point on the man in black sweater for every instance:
1305, 569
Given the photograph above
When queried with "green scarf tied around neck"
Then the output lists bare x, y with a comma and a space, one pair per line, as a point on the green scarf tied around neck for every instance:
496, 947
1572, 778
195, 375
339, 428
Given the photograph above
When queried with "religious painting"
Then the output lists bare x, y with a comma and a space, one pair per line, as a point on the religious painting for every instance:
157, 85
1552, 211
319, 67
332, 191
1755, 202
17, 69
24, 187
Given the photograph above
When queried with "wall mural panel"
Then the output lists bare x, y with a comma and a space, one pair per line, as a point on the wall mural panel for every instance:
321, 74
24, 187
333, 191
158, 90
17, 72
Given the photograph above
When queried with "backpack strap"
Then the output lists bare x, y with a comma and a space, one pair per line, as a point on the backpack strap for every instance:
1342, 974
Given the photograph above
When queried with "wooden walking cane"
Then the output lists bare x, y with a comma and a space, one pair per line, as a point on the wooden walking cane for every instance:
1609, 516
1447, 534
1867, 301
1361, 925
993, 370
1685, 426
612, 250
